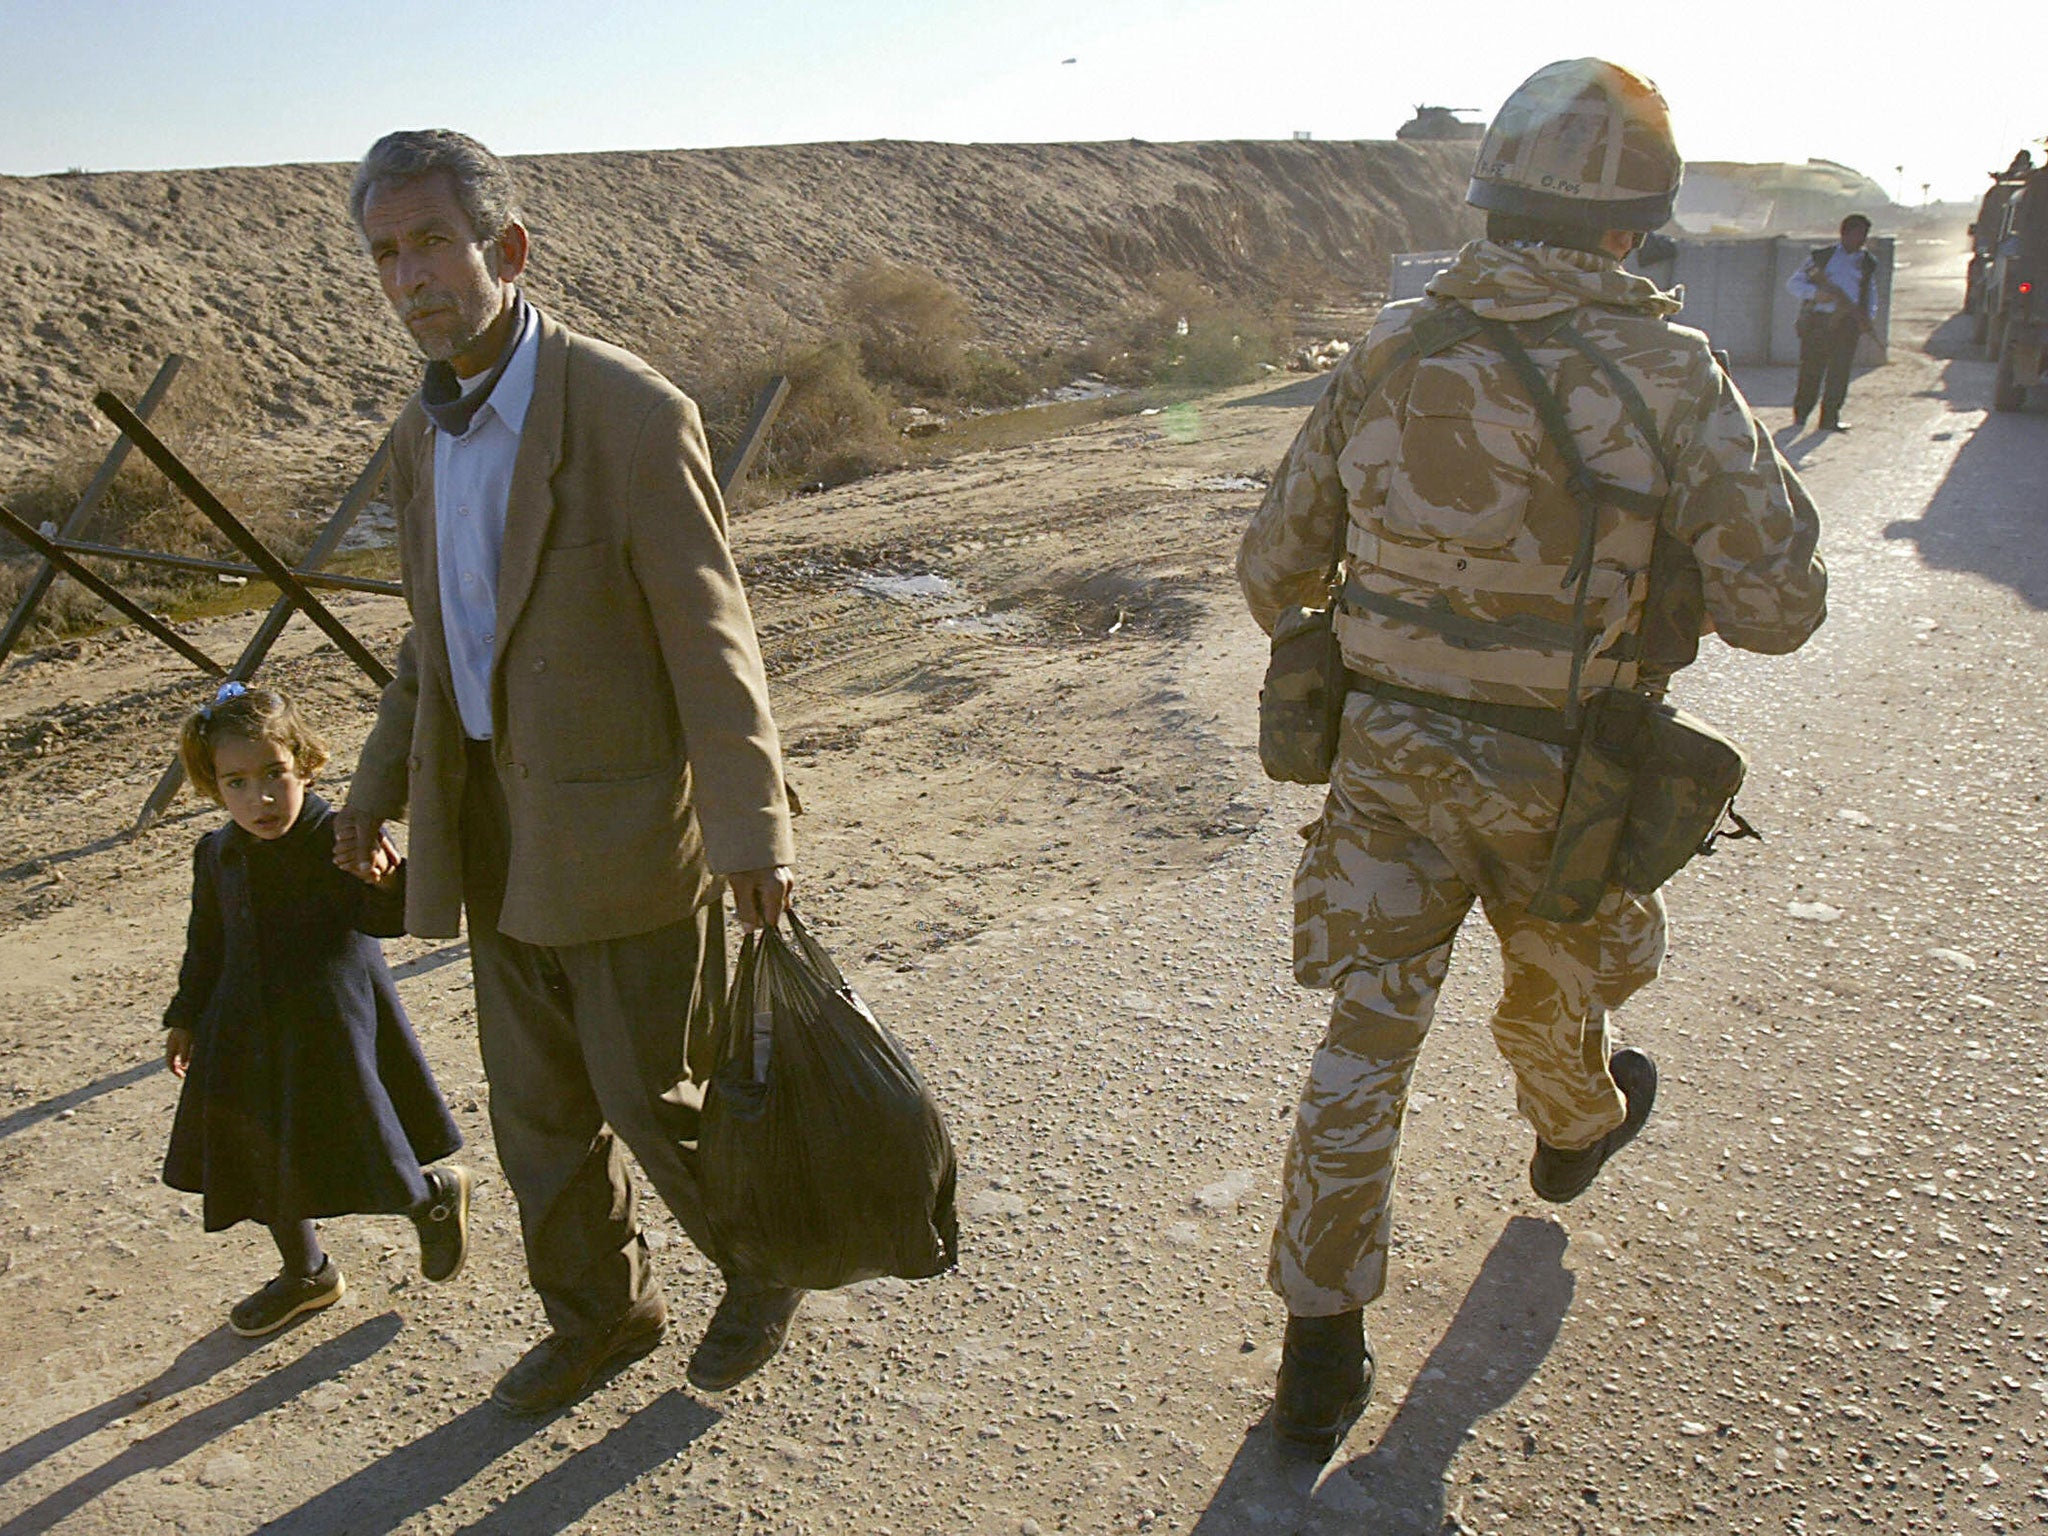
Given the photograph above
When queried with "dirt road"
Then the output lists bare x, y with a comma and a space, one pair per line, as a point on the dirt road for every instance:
1018, 691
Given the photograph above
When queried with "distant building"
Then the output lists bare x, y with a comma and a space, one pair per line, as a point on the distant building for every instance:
1723, 197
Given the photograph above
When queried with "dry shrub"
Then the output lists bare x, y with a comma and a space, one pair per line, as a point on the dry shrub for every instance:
1185, 334
911, 326
834, 427
991, 381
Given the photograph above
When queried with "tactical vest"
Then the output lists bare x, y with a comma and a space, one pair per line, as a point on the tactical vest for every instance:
1483, 563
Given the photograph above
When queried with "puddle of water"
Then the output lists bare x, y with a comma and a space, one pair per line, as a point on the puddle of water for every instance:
1090, 387
947, 607
1000, 625
905, 589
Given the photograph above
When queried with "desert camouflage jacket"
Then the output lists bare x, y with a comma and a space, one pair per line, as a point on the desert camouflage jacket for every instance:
1463, 538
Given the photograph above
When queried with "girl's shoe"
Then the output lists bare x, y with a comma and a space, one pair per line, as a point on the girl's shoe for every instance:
287, 1297
443, 1222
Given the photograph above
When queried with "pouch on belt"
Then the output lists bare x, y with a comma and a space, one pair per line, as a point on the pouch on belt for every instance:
1301, 705
1648, 787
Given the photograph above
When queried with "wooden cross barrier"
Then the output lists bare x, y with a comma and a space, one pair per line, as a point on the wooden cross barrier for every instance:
61, 552
195, 491
57, 558
281, 611
32, 594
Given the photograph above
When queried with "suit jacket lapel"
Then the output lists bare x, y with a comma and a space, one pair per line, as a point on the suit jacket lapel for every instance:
531, 503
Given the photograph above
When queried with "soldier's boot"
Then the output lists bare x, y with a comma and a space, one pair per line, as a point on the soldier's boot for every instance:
1326, 1371
1560, 1176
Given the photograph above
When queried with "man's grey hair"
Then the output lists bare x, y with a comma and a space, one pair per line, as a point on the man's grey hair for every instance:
483, 186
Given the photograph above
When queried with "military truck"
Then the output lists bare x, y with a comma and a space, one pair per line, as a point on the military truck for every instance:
1983, 246
2016, 293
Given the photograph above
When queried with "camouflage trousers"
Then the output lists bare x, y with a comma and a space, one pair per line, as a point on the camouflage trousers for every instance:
1427, 813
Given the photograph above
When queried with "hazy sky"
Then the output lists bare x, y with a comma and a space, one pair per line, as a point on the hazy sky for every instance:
124, 84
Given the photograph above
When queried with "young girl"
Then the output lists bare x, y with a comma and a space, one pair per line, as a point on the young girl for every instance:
305, 1091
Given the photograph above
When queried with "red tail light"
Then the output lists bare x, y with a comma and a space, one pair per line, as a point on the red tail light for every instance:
2026, 287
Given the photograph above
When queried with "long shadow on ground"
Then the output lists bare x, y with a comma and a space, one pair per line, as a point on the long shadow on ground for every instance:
197, 1362
1503, 1331
47, 1109
1987, 516
393, 1489
175, 1442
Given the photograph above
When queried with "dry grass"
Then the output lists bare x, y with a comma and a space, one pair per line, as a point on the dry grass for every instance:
834, 427
912, 328
1185, 335
141, 510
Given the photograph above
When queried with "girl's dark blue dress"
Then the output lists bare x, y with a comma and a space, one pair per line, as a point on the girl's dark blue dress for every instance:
307, 1095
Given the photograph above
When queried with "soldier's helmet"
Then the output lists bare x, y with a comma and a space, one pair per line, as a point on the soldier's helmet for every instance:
1580, 142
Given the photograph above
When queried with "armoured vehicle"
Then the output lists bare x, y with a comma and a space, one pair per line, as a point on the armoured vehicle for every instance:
2016, 293
1983, 246
1440, 123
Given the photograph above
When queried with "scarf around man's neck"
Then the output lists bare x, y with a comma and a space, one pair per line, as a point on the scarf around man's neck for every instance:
447, 404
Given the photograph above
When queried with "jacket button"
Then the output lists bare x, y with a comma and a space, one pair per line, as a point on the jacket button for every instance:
540, 666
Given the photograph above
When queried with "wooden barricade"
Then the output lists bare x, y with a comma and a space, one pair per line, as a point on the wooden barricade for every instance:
60, 552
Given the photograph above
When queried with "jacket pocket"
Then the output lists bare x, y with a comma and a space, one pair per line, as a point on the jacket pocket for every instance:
586, 688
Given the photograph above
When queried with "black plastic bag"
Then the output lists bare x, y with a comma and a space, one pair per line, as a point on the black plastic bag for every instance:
823, 1157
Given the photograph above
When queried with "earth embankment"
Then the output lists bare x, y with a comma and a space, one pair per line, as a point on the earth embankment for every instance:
254, 273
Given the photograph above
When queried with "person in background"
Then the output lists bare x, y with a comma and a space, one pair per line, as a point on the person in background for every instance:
1837, 292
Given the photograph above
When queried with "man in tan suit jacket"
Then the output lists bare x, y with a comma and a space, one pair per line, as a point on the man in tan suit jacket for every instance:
579, 736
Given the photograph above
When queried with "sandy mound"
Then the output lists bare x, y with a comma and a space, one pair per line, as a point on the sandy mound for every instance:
688, 256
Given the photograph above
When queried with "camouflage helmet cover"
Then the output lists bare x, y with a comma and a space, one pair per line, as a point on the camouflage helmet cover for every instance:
1581, 142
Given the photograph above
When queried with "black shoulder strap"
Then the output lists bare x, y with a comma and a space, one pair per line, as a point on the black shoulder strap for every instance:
1584, 488
1578, 477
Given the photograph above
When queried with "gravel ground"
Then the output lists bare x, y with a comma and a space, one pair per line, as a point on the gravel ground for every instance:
1809, 1299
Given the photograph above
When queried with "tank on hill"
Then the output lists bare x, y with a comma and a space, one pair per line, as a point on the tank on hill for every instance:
1440, 123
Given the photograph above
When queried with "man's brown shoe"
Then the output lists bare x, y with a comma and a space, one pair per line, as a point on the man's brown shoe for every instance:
748, 1328
562, 1366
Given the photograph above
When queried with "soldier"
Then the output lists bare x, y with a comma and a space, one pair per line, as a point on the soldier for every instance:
1496, 579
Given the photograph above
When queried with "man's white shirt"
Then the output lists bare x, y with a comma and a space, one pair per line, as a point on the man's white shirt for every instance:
1845, 271
472, 485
